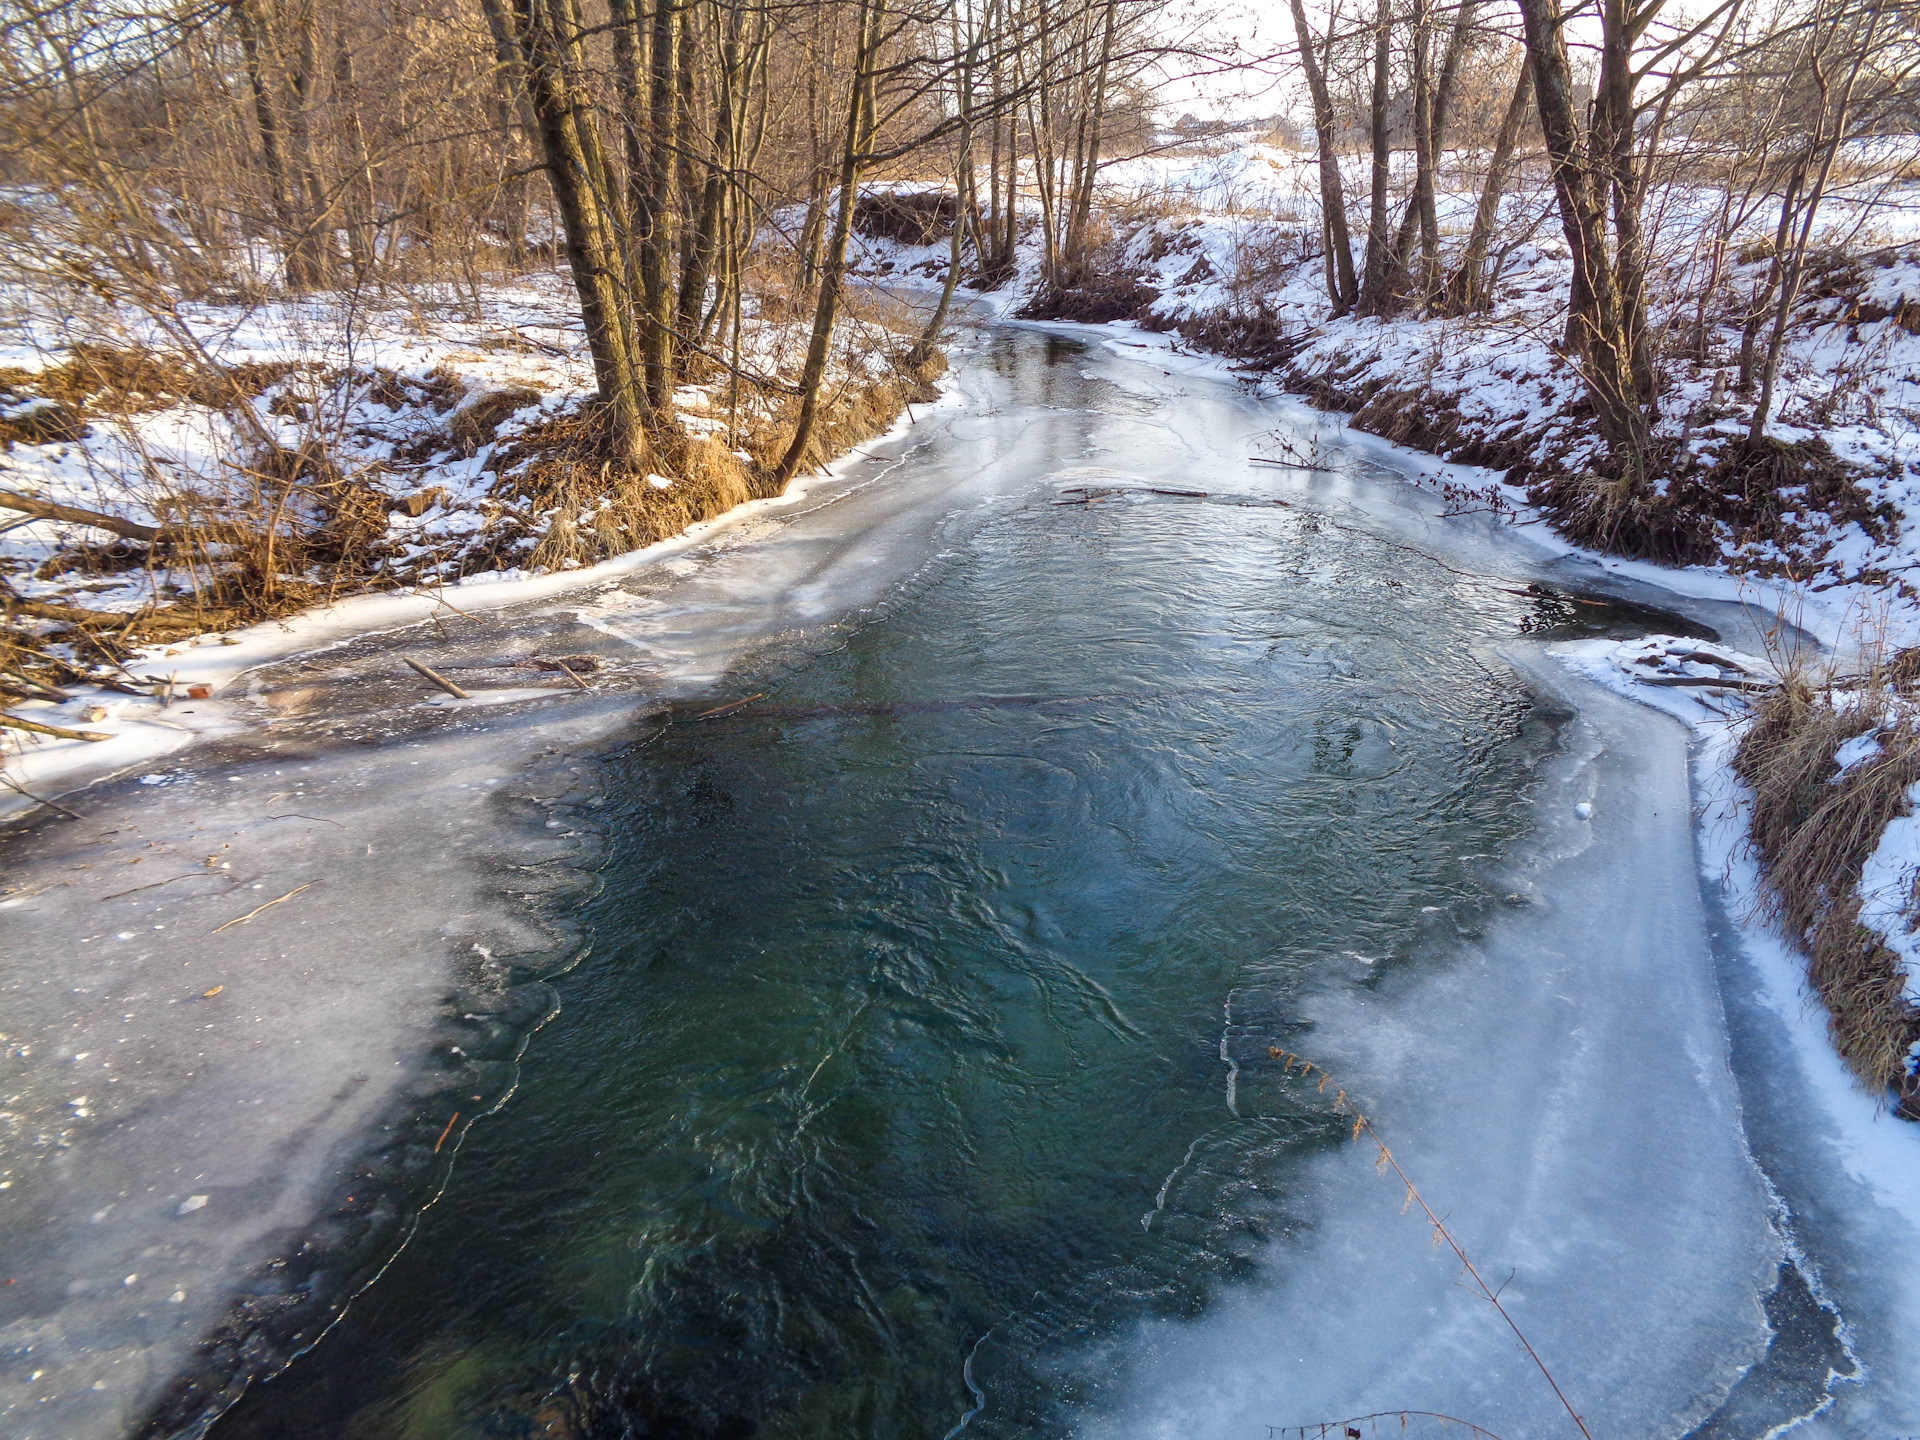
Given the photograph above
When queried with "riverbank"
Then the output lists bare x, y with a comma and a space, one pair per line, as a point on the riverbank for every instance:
161, 493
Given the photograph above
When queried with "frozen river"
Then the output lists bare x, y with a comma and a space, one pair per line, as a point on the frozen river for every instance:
918, 914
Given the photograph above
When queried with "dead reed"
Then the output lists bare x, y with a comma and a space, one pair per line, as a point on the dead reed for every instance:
563, 501
1410, 1422
1746, 507
1343, 1104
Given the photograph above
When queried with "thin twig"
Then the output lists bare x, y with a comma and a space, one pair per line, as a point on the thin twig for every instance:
1293, 465
50, 804
439, 598
59, 732
1361, 1124
730, 705
268, 906
446, 1132
154, 886
1486, 1290
1349, 1426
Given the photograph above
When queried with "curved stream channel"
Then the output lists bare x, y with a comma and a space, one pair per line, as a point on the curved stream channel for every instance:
925, 1074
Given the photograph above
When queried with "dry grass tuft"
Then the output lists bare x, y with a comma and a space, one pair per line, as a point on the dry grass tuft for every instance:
912, 217
1096, 298
130, 380
478, 421
562, 490
564, 501
1815, 828
857, 413
1618, 517
1753, 499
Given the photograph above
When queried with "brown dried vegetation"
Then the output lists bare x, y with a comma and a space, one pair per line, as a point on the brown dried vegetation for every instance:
1815, 828
1755, 494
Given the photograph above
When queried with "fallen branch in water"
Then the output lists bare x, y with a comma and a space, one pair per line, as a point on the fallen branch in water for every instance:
733, 705
13, 784
437, 678
1707, 657
1292, 465
1553, 595
1710, 681
191, 874
59, 732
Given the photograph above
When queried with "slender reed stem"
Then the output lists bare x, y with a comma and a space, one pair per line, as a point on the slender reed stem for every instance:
1362, 1125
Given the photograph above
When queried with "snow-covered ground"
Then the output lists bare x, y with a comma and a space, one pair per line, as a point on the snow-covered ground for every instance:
1226, 238
415, 400
379, 383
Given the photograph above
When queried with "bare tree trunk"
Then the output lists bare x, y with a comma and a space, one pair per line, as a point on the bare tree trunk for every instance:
1611, 146
1459, 41
1795, 267
1375, 288
1088, 161
250, 16
1422, 212
360, 210
316, 231
702, 248
859, 131
989, 257
1041, 132
1467, 289
936, 325
737, 227
1010, 223
653, 222
1421, 205
511, 107
962, 185
631, 83
1342, 287
1762, 305
542, 32
1595, 322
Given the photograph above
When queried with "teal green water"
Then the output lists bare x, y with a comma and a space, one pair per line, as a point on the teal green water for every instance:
926, 1039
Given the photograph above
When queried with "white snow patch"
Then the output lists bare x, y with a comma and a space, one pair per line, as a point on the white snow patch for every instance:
1887, 891
1855, 752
